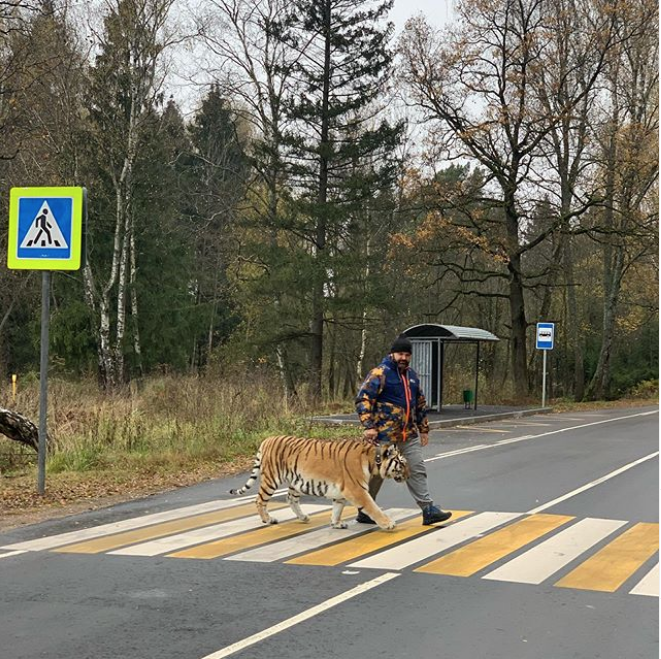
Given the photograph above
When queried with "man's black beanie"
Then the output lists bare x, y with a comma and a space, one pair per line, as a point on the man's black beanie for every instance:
402, 344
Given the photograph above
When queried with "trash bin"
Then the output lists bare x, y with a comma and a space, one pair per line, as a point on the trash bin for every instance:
468, 398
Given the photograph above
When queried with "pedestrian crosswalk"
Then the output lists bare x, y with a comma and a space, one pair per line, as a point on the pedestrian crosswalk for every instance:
529, 548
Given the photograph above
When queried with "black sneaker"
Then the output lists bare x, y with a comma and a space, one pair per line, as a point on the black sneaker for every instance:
433, 515
364, 519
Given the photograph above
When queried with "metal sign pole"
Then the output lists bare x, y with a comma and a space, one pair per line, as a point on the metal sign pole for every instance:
43, 381
544, 379
45, 233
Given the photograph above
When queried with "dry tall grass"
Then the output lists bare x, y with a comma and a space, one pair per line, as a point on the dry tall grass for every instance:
168, 423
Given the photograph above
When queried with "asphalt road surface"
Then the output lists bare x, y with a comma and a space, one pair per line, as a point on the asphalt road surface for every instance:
552, 553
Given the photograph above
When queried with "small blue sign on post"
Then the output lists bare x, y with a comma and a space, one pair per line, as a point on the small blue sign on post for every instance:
545, 336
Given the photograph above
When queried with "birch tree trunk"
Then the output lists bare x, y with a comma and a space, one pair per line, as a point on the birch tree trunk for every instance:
135, 318
124, 89
360, 364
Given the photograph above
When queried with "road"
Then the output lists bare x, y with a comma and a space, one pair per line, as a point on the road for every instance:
552, 553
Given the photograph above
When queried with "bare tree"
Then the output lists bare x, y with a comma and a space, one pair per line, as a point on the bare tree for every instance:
628, 143
568, 89
478, 85
255, 67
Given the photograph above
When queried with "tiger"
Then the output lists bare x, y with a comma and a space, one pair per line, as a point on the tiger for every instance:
336, 469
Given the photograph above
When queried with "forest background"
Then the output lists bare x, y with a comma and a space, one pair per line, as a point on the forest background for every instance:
249, 258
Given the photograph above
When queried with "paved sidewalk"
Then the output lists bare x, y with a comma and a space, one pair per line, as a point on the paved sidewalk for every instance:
451, 415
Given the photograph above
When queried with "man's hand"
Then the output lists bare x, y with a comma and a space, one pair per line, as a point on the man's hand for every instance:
370, 435
424, 438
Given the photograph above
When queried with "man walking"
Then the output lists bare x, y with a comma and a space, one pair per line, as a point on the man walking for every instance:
392, 408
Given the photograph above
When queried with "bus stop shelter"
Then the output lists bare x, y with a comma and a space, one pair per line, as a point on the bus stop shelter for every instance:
428, 359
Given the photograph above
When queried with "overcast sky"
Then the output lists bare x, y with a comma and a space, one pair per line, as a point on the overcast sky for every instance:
438, 12
187, 93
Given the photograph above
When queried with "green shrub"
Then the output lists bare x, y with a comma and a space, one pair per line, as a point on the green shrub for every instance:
645, 389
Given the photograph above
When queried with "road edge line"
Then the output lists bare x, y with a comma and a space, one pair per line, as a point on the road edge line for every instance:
301, 617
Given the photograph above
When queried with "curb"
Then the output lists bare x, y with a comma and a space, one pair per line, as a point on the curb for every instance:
449, 423
473, 420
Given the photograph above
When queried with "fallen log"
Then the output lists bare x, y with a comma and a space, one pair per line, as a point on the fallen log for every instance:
19, 428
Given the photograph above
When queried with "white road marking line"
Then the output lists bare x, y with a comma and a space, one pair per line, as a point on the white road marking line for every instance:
419, 549
460, 451
13, 553
594, 483
514, 440
480, 429
301, 617
50, 542
540, 562
523, 424
466, 429
649, 584
481, 447
208, 533
314, 540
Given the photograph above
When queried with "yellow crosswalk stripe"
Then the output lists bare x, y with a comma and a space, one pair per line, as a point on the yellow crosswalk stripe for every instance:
479, 554
366, 544
610, 567
260, 536
110, 542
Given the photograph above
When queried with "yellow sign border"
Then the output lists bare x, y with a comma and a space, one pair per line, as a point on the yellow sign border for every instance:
76, 194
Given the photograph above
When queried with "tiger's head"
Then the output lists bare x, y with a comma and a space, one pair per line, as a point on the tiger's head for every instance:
393, 464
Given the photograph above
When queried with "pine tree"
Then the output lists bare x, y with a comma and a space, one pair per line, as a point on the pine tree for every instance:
124, 90
217, 171
340, 150
41, 85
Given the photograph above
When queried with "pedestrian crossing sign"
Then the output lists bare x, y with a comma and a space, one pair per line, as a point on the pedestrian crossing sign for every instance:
45, 228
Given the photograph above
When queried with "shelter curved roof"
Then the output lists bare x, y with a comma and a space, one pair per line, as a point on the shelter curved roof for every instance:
449, 333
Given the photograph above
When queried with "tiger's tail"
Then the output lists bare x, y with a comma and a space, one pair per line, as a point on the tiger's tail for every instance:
254, 475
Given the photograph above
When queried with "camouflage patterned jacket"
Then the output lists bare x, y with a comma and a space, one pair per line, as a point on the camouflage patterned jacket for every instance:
393, 403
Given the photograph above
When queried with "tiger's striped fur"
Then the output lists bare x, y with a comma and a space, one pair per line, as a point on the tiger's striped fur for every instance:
339, 470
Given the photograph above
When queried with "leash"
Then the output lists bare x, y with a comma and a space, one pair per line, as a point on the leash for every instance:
379, 455
407, 395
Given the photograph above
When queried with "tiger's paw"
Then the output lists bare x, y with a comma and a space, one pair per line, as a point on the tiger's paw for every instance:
339, 525
389, 525
305, 519
271, 520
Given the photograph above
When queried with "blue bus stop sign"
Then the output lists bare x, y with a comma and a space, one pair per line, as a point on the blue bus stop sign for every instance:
45, 228
545, 336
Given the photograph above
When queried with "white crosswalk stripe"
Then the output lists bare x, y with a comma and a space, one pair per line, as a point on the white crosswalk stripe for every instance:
649, 584
419, 549
544, 560
179, 541
50, 542
310, 541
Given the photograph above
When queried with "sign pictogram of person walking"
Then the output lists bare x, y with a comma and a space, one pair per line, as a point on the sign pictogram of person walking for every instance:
44, 231
44, 228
